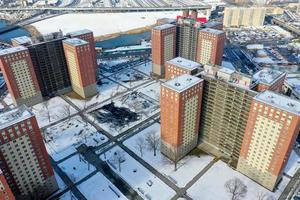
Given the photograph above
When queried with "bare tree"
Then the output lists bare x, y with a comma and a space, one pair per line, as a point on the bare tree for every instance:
140, 145
264, 196
119, 157
153, 141
46, 113
236, 188
67, 111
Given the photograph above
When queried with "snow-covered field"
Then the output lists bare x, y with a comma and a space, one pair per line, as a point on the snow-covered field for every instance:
120, 22
211, 185
62, 138
57, 109
145, 68
68, 196
187, 168
141, 179
99, 187
152, 90
107, 89
76, 168
293, 164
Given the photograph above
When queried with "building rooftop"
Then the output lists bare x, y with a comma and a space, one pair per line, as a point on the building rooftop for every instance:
181, 83
184, 63
212, 24
294, 83
75, 41
279, 101
14, 116
22, 40
267, 76
164, 26
79, 32
226, 70
12, 50
213, 31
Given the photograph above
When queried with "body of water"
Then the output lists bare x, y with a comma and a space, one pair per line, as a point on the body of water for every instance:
6, 37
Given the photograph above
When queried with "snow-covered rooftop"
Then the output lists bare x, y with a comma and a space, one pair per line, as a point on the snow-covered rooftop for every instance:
212, 24
181, 83
267, 76
14, 116
79, 32
23, 40
12, 50
184, 63
75, 41
293, 83
213, 31
279, 101
164, 26
226, 70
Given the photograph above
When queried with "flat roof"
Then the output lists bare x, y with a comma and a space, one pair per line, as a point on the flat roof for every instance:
14, 116
212, 24
267, 76
75, 41
184, 63
226, 70
12, 50
22, 39
279, 101
164, 26
79, 32
213, 31
183, 82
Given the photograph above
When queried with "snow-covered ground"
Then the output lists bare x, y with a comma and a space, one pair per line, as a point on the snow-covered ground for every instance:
187, 168
62, 138
136, 102
211, 185
120, 22
138, 176
57, 108
99, 187
76, 168
68, 196
152, 90
293, 164
145, 68
107, 89
130, 78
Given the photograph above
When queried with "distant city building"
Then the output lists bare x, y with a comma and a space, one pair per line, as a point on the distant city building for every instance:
24, 159
210, 47
81, 66
224, 112
292, 86
214, 25
5, 191
272, 128
268, 79
163, 47
21, 41
187, 33
88, 36
179, 66
49, 62
180, 115
21, 81
244, 16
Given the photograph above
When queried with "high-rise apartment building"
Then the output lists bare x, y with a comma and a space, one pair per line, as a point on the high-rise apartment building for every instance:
187, 33
243, 16
49, 62
81, 67
268, 79
86, 35
272, 128
163, 47
180, 115
21, 81
23, 156
210, 47
179, 66
5, 191
224, 113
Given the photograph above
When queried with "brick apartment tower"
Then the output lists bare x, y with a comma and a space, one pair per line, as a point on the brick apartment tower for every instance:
163, 47
272, 128
86, 35
81, 66
210, 46
24, 159
179, 66
21, 81
180, 115
5, 191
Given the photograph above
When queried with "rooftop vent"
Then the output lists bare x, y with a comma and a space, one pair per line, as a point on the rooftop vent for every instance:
177, 84
291, 105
